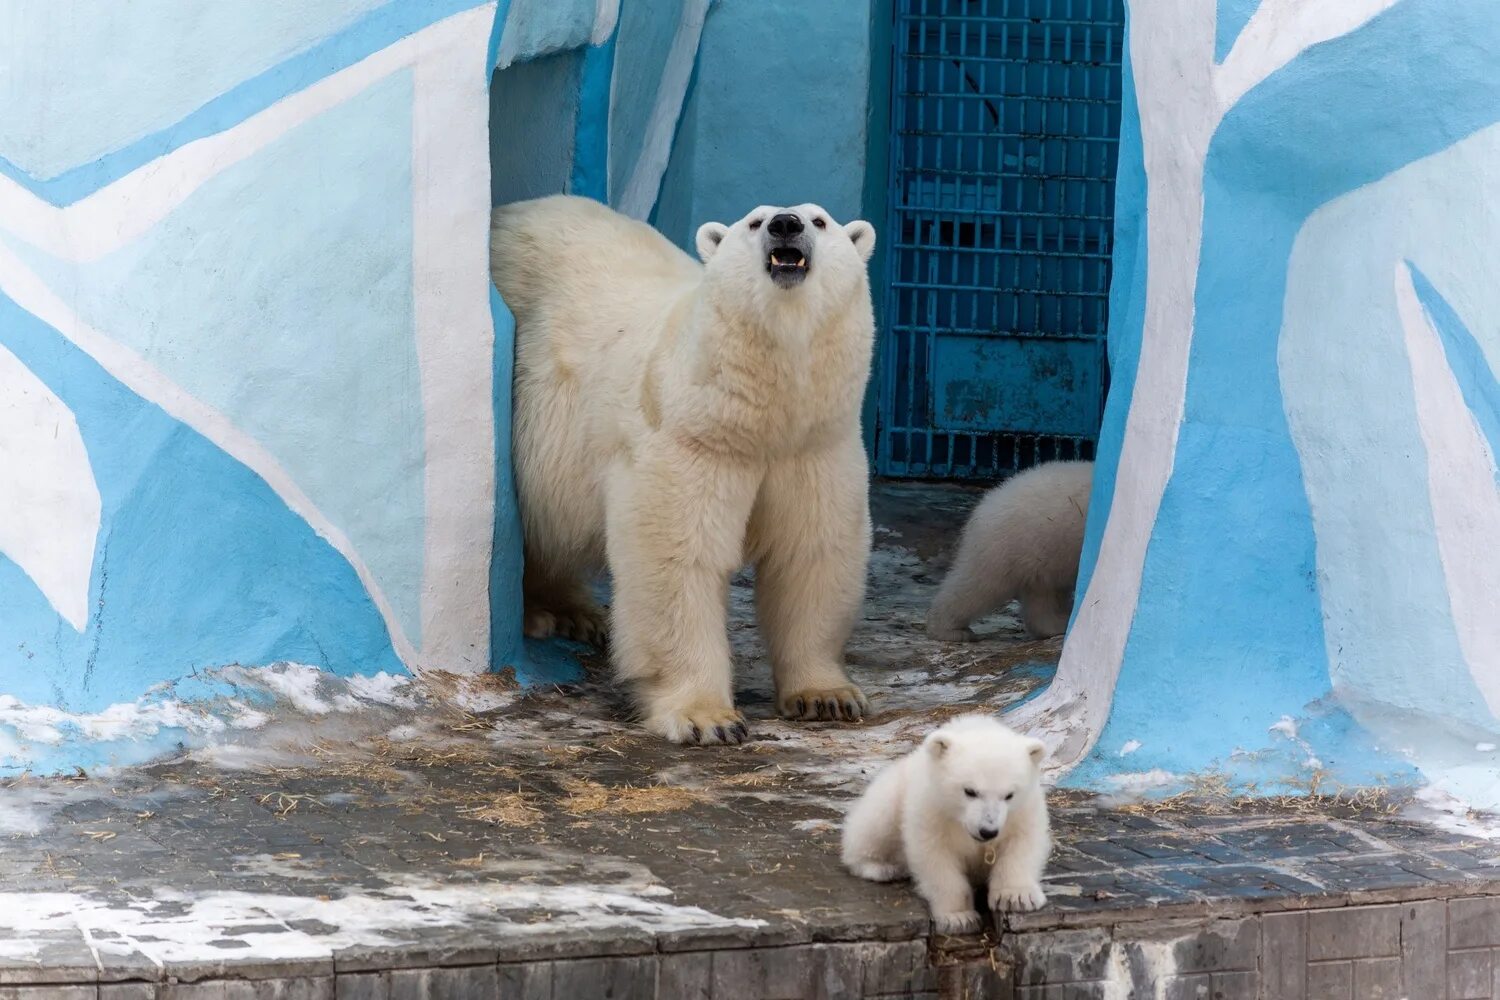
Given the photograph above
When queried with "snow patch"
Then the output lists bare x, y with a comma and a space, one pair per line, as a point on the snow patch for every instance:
1448, 812
174, 926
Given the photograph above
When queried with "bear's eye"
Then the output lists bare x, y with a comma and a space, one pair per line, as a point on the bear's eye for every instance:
821, 223
971, 793
755, 224
1010, 796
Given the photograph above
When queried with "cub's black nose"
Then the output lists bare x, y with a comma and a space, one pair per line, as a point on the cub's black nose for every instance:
985, 833
784, 225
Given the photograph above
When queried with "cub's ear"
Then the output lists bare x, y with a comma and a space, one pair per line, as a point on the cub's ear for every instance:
937, 745
862, 235
1037, 750
710, 235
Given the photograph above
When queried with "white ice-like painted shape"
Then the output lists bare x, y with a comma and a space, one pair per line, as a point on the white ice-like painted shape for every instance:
1278, 32
606, 16
1182, 97
1130, 747
456, 360
638, 196
49, 501
1461, 484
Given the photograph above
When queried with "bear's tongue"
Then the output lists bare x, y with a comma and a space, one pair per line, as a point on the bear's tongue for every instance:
788, 257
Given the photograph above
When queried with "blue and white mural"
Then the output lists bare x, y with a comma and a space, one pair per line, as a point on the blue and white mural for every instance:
253, 404
1292, 573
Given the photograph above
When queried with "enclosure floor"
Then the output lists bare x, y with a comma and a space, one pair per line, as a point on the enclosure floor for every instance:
547, 848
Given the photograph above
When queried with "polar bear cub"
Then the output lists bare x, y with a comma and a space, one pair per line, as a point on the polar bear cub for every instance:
966, 807
676, 420
1022, 542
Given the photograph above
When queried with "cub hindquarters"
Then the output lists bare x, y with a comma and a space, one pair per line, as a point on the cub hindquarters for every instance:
1022, 542
965, 808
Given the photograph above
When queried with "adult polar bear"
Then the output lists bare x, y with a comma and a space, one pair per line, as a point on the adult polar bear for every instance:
680, 420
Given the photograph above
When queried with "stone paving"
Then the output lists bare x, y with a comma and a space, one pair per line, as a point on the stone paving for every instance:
538, 846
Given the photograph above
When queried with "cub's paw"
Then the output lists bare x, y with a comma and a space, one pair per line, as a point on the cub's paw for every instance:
700, 726
961, 922
1019, 898
874, 871
844, 702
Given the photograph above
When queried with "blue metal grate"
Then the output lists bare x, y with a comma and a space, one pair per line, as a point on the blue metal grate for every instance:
1005, 126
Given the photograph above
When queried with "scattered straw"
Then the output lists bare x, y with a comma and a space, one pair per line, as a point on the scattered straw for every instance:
591, 797
506, 809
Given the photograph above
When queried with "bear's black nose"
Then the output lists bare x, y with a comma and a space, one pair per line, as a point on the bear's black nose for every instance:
784, 225
987, 833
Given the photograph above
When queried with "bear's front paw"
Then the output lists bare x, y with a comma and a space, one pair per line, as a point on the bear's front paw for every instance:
949, 633
700, 726
962, 922
846, 702
1019, 898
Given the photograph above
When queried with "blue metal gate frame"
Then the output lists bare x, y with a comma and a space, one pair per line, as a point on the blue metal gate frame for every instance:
1004, 130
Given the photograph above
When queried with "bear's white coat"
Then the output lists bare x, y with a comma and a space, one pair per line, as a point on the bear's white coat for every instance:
677, 420
965, 808
1022, 542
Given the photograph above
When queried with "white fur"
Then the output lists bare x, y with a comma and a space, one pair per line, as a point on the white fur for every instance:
1022, 543
679, 420
917, 818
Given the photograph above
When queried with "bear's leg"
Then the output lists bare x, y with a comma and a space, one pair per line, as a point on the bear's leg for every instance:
974, 587
560, 604
811, 533
1016, 878
675, 533
872, 831
941, 880
1045, 611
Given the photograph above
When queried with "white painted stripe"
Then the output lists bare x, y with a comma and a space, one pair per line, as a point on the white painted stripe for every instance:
640, 191
49, 501
1461, 484
1182, 97
1171, 48
116, 214
455, 347
1278, 32
606, 16
32, 294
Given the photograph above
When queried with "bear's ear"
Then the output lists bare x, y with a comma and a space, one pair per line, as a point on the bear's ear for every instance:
1037, 750
937, 744
862, 235
710, 235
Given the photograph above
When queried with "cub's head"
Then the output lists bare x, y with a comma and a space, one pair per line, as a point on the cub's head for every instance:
788, 254
979, 771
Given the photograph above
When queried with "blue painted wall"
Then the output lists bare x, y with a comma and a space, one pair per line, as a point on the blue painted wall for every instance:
1315, 602
777, 114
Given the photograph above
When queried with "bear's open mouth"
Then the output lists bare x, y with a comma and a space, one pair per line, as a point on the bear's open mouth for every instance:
787, 265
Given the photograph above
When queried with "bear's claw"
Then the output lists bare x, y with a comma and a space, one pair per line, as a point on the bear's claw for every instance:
1018, 898
846, 703
701, 727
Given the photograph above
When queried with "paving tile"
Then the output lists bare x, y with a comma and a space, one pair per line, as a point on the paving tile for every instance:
1330, 981
1354, 932
1474, 922
1471, 975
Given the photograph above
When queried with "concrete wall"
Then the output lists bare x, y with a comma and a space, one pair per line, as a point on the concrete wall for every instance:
1294, 551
